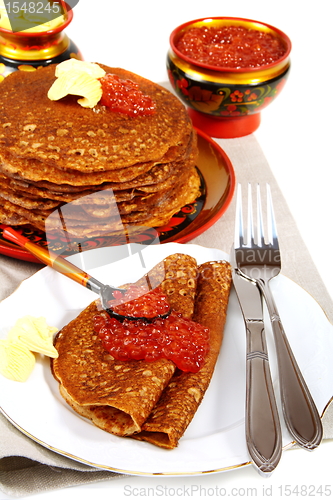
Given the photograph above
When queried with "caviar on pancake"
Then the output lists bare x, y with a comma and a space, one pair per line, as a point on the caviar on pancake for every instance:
91, 81
124, 96
138, 303
175, 338
231, 46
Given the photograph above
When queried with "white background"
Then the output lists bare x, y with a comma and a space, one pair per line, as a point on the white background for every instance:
296, 137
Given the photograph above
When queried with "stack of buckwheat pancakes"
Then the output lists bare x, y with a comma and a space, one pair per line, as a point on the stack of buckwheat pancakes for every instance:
98, 162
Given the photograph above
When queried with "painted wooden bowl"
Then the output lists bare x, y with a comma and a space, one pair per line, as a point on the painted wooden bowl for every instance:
226, 71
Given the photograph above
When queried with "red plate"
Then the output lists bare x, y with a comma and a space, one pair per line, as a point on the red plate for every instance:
218, 182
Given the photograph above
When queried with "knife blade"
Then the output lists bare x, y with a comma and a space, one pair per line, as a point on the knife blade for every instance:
263, 431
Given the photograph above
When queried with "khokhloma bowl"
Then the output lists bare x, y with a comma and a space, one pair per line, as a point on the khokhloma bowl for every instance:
226, 101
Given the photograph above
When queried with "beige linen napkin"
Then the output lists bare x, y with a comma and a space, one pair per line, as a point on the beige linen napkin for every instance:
27, 467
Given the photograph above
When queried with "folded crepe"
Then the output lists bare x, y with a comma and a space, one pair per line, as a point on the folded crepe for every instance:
180, 400
119, 396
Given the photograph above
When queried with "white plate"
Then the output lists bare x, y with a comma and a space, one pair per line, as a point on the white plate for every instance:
215, 439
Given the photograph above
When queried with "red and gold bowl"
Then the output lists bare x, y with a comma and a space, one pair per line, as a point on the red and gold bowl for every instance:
27, 51
224, 101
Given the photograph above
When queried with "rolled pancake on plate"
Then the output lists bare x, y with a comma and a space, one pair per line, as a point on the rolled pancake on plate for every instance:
185, 391
118, 396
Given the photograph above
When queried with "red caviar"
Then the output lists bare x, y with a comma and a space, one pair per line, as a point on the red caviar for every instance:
231, 46
178, 339
139, 303
124, 96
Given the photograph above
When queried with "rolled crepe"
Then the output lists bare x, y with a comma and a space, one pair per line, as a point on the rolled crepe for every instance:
118, 396
185, 391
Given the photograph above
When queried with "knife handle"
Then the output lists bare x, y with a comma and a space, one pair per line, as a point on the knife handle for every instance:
263, 431
299, 410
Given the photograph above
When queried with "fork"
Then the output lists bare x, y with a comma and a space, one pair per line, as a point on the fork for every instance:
260, 261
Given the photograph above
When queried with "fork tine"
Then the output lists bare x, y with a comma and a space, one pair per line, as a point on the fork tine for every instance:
260, 225
250, 231
271, 224
239, 231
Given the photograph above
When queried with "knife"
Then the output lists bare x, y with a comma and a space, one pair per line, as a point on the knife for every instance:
263, 431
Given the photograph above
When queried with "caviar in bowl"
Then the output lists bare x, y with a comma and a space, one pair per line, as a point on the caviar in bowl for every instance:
226, 71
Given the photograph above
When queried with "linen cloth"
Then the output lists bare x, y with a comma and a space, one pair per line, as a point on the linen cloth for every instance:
25, 466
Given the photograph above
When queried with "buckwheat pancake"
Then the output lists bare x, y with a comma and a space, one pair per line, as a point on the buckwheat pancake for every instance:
185, 391
118, 396
159, 179
148, 209
37, 170
158, 216
66, 135
11, 218
24, 201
